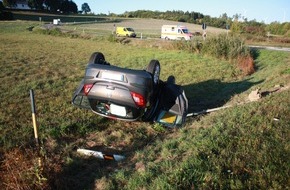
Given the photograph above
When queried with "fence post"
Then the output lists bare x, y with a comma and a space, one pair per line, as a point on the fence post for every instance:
35, 128
33, 111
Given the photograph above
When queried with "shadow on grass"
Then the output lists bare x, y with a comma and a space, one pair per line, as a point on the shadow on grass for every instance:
214, 93
68, 169
83, 173
255, 52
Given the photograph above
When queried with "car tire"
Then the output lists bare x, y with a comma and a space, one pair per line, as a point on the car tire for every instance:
171, 79
97, 58
154, 69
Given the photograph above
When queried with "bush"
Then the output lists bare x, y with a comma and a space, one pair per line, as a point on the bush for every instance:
4, 15
230, 48
52, 31
57, 32
193, 46
225, 47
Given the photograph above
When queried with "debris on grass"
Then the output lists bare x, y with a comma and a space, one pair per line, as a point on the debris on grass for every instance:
101, 155
254, 95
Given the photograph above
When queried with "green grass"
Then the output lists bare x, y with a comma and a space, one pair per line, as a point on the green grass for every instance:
242, 147
233, 149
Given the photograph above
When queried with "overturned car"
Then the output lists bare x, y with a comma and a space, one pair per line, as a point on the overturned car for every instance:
130, 94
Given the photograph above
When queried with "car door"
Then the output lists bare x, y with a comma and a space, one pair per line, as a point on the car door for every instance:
173, 106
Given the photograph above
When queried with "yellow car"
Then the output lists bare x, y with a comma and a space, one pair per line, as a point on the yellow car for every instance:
124, 31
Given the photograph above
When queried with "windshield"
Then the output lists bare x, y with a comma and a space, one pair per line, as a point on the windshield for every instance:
130, 29
185, 31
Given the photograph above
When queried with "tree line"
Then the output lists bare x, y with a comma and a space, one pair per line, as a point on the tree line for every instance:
63, 6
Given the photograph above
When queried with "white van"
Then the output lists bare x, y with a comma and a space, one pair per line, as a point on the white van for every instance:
175, 32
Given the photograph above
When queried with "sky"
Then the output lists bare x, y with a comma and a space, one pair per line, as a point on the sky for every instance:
266, 11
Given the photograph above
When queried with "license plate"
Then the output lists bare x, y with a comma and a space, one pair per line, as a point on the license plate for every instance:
112, 76
118, 110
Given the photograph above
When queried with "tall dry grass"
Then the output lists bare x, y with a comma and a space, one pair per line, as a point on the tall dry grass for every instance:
246, 64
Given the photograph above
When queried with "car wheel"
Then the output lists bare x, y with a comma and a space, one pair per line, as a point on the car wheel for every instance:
97, 58
154, 69
171, 79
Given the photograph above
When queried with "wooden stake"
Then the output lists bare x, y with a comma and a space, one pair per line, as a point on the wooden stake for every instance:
33, 111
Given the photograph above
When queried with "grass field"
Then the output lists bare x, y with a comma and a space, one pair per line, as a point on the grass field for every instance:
242, 147
146, 27
100, 26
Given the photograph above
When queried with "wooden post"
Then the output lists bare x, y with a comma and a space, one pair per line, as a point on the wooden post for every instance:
33, 111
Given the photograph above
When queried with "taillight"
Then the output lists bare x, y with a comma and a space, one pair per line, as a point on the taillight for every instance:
138, 99
87, 88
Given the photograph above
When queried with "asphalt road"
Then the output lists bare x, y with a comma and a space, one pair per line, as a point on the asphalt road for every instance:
271, 48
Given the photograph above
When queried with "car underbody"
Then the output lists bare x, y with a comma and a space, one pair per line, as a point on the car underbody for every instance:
129, 94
